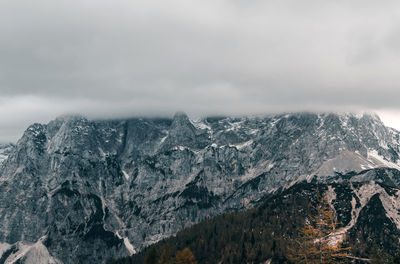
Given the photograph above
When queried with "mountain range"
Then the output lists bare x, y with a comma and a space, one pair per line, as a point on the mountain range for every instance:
88, 191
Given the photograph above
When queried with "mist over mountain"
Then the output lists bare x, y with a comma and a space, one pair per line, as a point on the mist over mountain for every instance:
79, 190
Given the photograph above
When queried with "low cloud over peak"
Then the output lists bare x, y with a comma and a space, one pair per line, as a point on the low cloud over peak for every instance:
122, 58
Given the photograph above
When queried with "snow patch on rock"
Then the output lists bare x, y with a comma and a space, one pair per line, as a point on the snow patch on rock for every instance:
391, 204
200, 124
126, 175
129, 246
380, 161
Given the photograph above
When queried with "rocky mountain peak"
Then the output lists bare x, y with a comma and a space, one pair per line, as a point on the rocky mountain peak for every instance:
182, 133
125, 184
180, 118
182, 127
35, 130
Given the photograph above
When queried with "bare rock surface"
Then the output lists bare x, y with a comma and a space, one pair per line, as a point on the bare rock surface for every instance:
78, 190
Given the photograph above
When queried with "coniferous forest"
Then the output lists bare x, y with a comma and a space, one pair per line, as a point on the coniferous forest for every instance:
271, 231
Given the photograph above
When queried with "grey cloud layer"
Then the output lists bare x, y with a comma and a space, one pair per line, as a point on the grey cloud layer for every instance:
121, 58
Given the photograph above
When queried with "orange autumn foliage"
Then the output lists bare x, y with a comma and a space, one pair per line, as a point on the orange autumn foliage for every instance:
185, 257
315, 243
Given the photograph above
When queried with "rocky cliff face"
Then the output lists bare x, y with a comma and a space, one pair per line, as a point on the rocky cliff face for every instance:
5, 150
80, 190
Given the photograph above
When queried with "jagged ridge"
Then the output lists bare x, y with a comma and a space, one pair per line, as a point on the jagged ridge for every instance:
124, 184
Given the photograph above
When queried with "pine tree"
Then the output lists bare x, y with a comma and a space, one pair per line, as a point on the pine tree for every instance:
151, 256
185, 257
315, 244
165, 256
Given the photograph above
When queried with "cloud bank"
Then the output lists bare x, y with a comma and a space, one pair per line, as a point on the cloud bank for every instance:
124, 58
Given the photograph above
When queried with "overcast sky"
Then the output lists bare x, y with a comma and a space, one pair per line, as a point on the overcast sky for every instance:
122, 58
